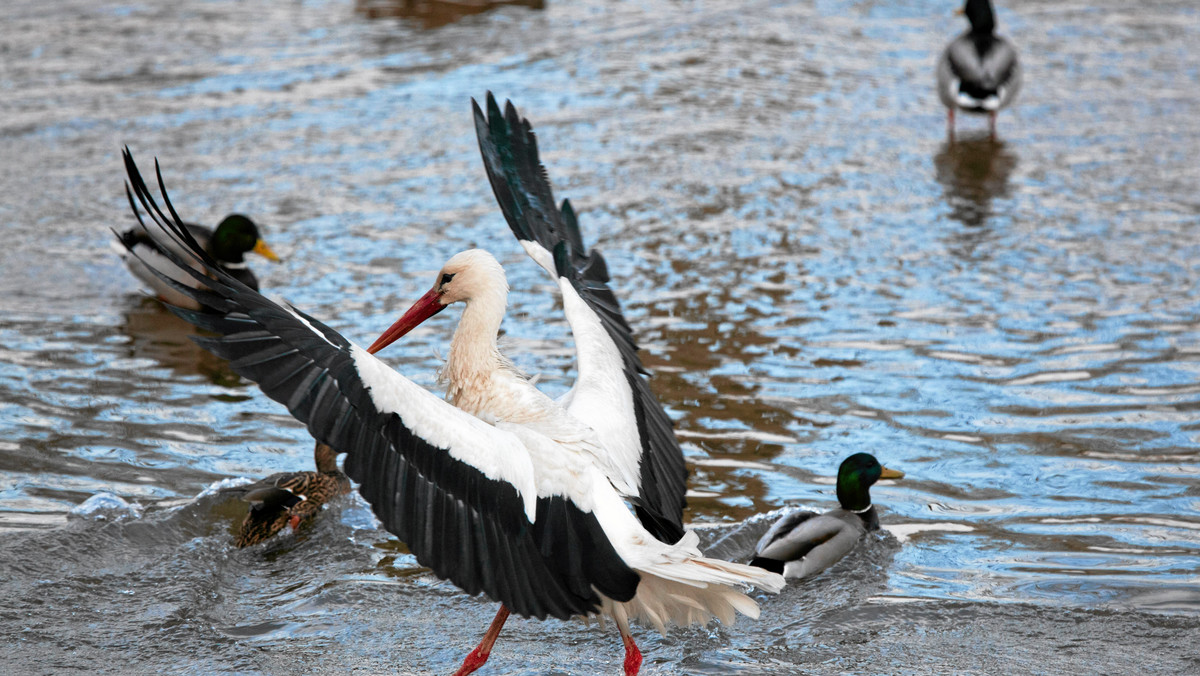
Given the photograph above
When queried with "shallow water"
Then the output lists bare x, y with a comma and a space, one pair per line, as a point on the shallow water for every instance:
811, 269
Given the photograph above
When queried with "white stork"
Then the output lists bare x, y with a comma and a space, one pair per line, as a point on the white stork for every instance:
517, 502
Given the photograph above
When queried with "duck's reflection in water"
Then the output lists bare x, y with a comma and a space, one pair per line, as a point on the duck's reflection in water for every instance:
435, 13
973, 172
155, 333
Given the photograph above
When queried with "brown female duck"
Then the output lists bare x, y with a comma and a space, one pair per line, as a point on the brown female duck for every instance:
290, 498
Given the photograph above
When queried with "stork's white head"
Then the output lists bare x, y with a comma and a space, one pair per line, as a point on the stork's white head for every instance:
468, 277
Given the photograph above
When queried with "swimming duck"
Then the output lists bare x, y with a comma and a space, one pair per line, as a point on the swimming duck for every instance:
803, 543
289, 498
979, 71
235, 236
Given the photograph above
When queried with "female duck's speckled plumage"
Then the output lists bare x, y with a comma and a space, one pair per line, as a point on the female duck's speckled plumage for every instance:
289, 498
979, 71
804, 543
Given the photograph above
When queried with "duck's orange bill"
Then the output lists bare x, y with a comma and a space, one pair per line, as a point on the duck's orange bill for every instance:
261, 248
426, 306
891, 474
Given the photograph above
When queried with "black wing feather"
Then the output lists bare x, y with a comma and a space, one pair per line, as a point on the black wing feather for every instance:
522, 188
464, 526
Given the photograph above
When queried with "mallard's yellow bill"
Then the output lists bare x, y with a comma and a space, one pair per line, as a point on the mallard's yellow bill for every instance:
261, 248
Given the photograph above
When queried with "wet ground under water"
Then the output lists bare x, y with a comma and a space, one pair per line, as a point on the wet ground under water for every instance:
811, 269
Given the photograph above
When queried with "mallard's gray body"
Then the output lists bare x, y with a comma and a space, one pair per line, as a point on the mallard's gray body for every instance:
978, 74
808, 543
803, 543
979, 71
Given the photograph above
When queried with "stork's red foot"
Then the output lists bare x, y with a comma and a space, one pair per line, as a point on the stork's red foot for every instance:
294, 522
481, 652
633, 657
474, 660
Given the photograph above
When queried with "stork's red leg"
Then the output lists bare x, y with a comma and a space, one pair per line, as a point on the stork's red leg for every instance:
992, 125
950, 124
481, 652
633, 656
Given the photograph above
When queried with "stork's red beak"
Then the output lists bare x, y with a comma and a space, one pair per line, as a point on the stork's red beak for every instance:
425, 307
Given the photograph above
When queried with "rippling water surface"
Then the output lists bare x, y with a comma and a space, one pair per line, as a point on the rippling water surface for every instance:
811, 269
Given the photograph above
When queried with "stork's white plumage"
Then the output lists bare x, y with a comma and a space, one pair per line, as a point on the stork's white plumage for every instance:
515, 501
610, 396
677, 584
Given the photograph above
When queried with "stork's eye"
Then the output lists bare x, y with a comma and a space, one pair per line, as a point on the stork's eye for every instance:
446, 277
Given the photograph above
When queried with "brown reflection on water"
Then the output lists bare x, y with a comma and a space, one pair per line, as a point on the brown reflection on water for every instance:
973, 172
435, 13
157, 334
724, 414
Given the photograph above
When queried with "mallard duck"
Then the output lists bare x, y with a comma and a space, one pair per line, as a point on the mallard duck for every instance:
803, 543
234, 237
289, 498
979, 71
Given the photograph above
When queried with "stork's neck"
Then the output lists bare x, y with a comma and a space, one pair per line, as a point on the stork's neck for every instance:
474, 356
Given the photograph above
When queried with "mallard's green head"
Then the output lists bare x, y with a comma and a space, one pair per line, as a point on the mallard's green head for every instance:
235, 236
856, 475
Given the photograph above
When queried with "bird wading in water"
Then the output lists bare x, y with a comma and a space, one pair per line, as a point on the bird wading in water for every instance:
979, 71
522, 508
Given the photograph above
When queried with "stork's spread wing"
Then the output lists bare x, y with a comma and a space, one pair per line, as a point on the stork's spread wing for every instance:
459, 492
611, 393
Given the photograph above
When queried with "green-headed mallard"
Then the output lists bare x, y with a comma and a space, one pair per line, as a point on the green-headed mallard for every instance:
289, 498
979, 71
804, 543
234, 237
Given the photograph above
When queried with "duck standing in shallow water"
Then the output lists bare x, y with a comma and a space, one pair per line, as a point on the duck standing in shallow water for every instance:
234, 237
979, 71
804, 543
289, 498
